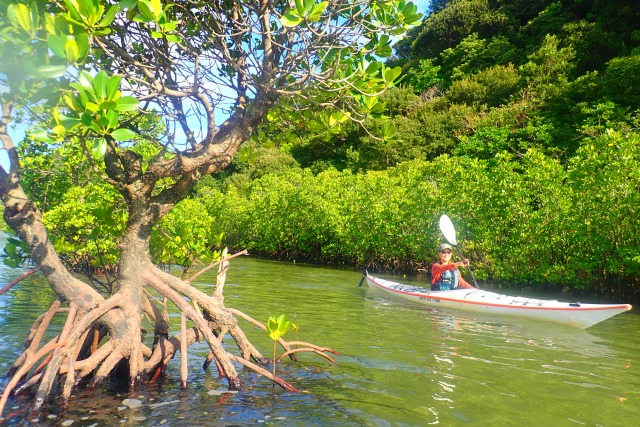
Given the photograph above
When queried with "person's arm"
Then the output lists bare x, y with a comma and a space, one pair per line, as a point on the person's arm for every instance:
462, 283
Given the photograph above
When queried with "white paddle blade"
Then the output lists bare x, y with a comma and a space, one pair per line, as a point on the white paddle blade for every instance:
446, 226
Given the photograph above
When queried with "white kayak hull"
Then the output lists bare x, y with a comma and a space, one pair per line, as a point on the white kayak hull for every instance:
477, 300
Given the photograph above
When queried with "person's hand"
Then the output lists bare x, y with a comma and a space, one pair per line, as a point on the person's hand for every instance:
464, 262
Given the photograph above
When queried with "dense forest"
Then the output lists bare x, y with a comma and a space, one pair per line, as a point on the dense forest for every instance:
518, 119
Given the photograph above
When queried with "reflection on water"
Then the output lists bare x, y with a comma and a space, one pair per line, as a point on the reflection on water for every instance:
400, 364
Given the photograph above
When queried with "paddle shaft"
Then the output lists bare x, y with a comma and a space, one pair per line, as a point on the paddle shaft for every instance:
475, 282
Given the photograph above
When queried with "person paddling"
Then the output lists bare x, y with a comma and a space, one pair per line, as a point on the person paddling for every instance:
444, 273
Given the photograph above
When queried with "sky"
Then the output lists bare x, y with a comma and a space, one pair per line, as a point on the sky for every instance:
422, 5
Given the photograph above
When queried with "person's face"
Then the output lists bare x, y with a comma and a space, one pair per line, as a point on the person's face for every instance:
445, 256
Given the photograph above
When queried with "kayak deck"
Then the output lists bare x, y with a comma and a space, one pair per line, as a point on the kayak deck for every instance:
567, 313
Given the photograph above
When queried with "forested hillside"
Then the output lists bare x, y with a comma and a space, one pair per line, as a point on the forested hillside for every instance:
483, 77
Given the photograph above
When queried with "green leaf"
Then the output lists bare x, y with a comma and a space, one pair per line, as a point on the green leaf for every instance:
123, 134
108, 18
112, 117
10, 249
59, 131
108, 105
384, 51
20, 15
74, 10
373, 68
42, 135
83, 46
10, 262
308, 5
14, 241
127, 103
388, 130
71, 49
317, 11
85, 79
156, 5
291, 19
112, 87
277, 327
169, 26
102, 32
92, 106
56, 45
100, 84
412, 18
142, 18
71, 102
52, 71
300, 7
147, 10
336, 118
86, 119
377, 108
68, 122
390, 74
128, 4
99, 147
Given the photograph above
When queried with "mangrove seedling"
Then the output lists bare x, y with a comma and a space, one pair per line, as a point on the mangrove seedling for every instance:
276, 328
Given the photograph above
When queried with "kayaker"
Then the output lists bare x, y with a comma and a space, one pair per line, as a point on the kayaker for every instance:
445, 274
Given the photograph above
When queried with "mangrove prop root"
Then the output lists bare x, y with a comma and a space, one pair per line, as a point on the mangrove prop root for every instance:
37, 331
184, 369
96, 338
19, 279
282, 383
309, 349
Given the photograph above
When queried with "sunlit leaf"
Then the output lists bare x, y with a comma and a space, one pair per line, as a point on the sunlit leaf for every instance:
290, 19
42, 135
128, 4
56, 45
99, 147
82, 40
127, 103
123, 134
308, 5
317, 11
112, 87
100, 84
108, 18
108, 105
71, 49
85, 79
52, 71
20, 15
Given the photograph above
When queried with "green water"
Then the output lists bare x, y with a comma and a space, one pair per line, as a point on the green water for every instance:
400, 364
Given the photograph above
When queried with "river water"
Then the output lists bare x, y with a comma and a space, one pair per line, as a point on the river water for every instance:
400, 364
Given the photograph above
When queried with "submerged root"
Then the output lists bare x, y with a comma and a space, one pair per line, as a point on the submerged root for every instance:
93, 343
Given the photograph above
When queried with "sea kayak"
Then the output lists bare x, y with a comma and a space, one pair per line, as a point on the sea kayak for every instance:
477, 300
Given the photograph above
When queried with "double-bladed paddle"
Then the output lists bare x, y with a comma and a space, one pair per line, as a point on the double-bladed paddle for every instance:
449, 232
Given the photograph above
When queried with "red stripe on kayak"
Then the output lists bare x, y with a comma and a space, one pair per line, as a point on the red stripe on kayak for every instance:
604, 307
